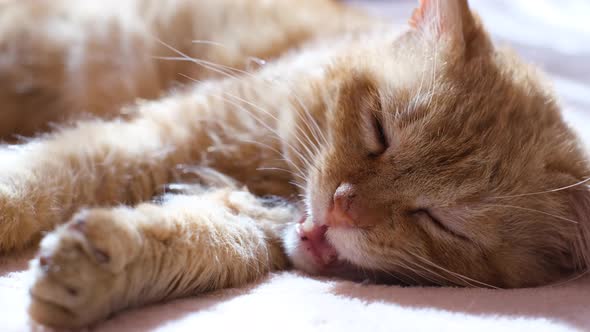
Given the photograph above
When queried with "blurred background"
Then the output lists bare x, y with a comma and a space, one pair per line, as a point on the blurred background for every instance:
553, 34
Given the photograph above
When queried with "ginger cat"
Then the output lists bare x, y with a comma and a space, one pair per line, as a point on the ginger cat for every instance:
423, 156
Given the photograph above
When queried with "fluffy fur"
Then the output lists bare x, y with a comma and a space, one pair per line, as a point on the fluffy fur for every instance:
423, 157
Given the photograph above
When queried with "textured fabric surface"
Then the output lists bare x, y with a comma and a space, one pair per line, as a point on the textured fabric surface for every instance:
553, 34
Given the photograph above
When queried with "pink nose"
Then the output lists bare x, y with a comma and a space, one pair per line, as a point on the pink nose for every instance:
341, 212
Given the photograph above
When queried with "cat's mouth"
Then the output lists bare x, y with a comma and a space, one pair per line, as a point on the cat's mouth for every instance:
314, 242
318, 256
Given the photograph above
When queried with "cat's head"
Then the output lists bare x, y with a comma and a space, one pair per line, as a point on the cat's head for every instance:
442, 164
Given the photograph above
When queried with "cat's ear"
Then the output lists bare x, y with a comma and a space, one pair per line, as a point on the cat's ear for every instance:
580, 203
454, 23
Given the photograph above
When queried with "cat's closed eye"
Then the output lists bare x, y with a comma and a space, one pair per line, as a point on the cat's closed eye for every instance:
426, 215
380, 137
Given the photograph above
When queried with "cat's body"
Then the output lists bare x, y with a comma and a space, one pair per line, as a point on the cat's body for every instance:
76, 57
425, 158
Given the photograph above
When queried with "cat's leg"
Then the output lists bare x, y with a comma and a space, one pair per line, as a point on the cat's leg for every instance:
61, 58
98, 163
105, 260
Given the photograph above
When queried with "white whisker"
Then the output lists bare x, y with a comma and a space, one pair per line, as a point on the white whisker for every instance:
533, 210
208, 42
547, 191
263, 123
282, 170
209, 64
455, 274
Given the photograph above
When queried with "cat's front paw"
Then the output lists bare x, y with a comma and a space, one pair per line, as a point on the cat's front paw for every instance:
79, 274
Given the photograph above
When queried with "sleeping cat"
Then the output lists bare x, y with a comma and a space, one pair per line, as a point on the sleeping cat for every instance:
424, 157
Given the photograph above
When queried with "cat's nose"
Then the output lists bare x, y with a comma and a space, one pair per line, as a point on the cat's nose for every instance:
341, 212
